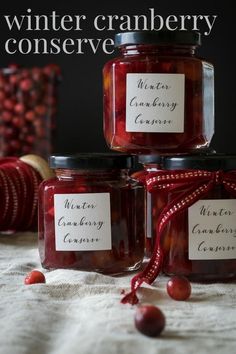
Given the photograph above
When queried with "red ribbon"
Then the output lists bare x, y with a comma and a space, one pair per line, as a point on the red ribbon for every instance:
196, 185
19, 184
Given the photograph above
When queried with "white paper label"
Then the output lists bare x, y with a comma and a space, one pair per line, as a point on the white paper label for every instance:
155, 103
82, 222
212, 229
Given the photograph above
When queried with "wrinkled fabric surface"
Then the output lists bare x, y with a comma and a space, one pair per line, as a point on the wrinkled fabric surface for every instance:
80, 312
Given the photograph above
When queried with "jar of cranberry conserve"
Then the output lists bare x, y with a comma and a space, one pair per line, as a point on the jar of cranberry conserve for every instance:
28, 106
158, 95
198, 224
91, 216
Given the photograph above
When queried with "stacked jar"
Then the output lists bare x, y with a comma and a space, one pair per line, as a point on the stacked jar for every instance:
158, 95
91, 215
159, 100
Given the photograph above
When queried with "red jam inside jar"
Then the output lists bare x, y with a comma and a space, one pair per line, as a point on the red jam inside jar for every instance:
28, 107
199, 242
91, 216
155, 201
158, 95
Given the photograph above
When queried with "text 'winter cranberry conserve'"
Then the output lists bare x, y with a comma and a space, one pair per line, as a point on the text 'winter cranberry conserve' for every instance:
91, 216
158, 96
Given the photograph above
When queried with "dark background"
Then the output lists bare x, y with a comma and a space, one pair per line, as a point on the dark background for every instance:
80, 114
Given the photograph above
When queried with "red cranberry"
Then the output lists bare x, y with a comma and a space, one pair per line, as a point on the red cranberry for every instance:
19, 108
179, 288
35, 96
18, 122
14, 79
149, 320
30, 116
37, 74
15, 145
26, 85
50, 100
2, 82
9, 104
26, 149
51, 212
24, 73
40, 132
9, 132
40, 110
6, 116
8, 88
30, 139
25, 130
34, 277
13, 66
2, 95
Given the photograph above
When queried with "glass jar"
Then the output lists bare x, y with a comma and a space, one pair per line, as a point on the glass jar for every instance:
200, 241
155, 201
28, 105
91, 216
158, 95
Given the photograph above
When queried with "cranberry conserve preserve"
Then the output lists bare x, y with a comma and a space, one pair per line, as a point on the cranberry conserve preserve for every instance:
199, 238
158, 96
91, 216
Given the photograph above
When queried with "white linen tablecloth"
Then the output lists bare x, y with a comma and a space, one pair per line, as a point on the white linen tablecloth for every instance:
80, 312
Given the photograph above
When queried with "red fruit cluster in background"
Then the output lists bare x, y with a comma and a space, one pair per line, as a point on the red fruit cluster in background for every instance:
28, 104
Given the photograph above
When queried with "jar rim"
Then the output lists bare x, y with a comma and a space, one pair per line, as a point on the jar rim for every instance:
206, 161
150, 159
92, 161
160, 37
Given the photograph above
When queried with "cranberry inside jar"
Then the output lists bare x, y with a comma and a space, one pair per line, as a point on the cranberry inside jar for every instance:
158, 95
91, 216
199, 242
28, 106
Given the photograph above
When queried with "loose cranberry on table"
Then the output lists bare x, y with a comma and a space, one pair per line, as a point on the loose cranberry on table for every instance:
34, 277
149, 320
179, 288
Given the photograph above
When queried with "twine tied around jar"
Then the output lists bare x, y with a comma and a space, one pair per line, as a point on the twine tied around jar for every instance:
197, 184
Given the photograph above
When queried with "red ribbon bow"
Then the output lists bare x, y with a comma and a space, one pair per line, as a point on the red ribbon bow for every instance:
197, 184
